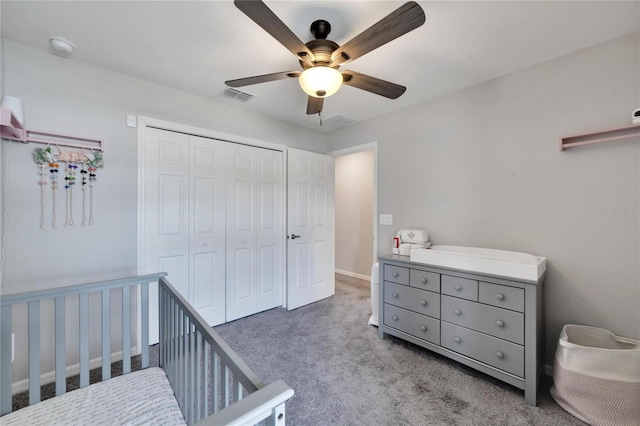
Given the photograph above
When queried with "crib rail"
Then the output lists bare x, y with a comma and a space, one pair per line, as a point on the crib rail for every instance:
59, 295
212, 384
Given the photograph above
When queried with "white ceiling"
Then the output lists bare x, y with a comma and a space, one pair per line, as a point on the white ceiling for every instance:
196, 46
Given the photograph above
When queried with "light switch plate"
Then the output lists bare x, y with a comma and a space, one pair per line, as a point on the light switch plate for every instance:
386, 219
132, 121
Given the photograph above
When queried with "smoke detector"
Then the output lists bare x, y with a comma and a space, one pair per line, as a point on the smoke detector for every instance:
61, 45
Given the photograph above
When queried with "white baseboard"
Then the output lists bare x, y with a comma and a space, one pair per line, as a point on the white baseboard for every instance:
71, 370
353, 274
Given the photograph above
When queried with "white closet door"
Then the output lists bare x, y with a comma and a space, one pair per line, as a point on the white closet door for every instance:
311, 228
165, 242
255, 230
207, 228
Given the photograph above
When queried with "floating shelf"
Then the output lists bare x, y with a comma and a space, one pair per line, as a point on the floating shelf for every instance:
10, 127
598, 137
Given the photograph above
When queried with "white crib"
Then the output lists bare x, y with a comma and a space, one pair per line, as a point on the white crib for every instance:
205, 379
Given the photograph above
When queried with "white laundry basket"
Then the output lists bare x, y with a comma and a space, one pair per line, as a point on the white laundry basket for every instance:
375, 290
596, 376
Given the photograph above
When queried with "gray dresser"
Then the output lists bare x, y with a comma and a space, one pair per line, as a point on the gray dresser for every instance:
489, 323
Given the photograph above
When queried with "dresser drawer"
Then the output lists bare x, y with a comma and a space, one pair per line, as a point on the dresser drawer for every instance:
497, 322
413, 299
424, 280
459, 287
417, 325
495, 352
501, 296
396, 274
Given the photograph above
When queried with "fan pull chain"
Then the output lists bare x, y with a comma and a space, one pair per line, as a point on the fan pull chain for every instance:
320, 115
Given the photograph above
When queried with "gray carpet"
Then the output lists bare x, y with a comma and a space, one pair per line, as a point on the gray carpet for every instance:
343, 374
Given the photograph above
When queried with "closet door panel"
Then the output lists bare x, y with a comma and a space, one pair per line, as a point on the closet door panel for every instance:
241, 231
254, 231
207, 228
165, 212
270, 232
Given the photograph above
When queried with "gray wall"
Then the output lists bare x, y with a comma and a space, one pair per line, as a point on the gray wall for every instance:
64, 96
481, 167
354, 212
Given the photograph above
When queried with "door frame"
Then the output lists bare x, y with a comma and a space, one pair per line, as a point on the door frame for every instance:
371, 146
146, 122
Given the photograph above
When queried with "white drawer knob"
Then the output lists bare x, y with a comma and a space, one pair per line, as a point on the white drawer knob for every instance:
423, 327
457, 287
457, 311
457, 339
500, 296
500, 323
395, 317
395, 295
423, 280
395, 275
423, 302
499, 354
204, 244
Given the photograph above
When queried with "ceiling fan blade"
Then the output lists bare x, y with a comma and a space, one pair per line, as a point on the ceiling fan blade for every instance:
265, 18
262, 78
314, 105
372, 84
406, 18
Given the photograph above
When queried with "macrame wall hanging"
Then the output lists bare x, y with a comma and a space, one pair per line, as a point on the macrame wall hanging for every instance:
83, 161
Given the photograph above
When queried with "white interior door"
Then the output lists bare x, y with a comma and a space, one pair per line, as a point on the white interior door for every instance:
310, 228
165, 243
255, 230
207, 228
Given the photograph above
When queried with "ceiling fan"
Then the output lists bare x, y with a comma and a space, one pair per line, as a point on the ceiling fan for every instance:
321, 58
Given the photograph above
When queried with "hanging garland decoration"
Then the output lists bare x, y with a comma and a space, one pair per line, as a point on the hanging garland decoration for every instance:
89, 163
41, 157
53, 170
94, 161
83, 175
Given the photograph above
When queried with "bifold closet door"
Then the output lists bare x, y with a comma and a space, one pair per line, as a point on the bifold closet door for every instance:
207, 228
165, 242
183, 220
255, 230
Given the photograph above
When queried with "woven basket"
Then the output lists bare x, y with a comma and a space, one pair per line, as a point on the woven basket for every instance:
596, 376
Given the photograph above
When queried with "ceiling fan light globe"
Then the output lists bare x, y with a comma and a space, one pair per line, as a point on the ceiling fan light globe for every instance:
320, 81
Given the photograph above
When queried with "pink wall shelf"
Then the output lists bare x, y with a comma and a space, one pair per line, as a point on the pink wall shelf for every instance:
598, 137
11, 129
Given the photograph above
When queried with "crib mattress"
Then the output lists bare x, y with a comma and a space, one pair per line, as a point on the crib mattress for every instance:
141, 398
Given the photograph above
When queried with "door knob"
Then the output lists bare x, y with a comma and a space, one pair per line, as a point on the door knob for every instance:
294, 236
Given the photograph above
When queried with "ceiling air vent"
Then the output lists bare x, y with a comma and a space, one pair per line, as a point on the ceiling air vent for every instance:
236, 94
337, 120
